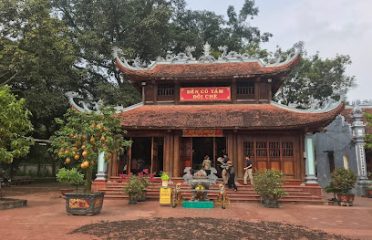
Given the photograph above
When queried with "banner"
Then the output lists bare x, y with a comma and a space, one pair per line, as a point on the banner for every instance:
202, 133
165, 196
202, 94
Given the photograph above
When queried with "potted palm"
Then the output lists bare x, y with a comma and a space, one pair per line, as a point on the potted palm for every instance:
81, 138
164, 179
268, 184
342, 181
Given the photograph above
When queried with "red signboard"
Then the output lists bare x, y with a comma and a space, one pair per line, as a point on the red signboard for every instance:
202, 94
202, 133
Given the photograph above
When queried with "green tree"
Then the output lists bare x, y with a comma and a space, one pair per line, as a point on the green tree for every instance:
194, 28
83, 136
140, 27
368, 137
36, 60
15, 125
316, 79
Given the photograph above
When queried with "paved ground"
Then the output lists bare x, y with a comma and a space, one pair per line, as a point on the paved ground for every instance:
45, 216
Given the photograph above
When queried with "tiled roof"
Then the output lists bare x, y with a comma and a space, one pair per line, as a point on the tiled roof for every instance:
204, 71
225, 116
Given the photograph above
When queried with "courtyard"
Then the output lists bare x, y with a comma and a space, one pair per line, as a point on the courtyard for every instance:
45, 218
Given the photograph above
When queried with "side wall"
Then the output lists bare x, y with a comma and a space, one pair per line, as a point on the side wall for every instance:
336, 143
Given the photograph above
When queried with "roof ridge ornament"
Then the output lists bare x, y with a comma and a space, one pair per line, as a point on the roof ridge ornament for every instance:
279, 60
207, 55
87, 105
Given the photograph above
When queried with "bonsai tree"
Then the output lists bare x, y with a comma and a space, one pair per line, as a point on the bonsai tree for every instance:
268, 184
83, 136
342, 181
70, 176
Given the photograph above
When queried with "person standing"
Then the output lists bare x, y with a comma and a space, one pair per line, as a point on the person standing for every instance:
224, 166
231, 180
207, 164
248, 170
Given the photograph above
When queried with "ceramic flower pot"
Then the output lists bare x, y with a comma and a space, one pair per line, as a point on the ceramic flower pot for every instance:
345, 199
84, 203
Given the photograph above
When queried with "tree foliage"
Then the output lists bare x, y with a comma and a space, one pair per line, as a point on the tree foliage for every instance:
315, 80
36, 59
15, 125
83, 136
368, 137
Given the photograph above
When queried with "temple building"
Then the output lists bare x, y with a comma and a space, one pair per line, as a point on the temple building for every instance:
191, 108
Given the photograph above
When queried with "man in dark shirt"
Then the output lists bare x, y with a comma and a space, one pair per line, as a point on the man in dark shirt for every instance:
248, 170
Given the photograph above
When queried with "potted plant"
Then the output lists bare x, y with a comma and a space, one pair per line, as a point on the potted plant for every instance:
268, 184
164, 179
333, 200
369, 190
80, 139
144, 184
342, 181
133, 188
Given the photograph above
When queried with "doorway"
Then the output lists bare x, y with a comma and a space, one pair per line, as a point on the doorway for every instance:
214, 147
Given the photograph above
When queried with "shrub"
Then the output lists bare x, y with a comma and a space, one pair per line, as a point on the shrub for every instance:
70, 176
342, 181
134, 186
268, 184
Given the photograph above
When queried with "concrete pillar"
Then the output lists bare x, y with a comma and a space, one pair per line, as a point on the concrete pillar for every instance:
310, 160
101, 167
358, 130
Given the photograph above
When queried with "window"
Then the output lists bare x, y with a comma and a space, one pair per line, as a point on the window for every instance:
346, 162
261, 150
245, 89
274, 149
249, 150
331, 161
165, 90
287, 149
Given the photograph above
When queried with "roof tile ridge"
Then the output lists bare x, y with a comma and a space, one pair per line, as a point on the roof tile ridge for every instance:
132, 107
327, 109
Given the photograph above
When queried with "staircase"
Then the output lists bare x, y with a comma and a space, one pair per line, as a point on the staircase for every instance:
296, 193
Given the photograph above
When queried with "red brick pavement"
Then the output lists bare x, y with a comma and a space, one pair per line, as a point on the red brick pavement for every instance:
45, 217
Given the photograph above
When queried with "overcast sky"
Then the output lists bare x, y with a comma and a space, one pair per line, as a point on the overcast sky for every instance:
328, 26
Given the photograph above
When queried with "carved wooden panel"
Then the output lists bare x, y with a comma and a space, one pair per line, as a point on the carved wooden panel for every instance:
261, 165
288, 168
275, 165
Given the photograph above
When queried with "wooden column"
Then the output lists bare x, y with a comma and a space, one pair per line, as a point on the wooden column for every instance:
232, 148
257, 90
177, 92
152, 156
165, 153
230, 145
129, 163
155, 92
301, 158
176, 156
168, 153
233, 91
241, 156
114, 169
